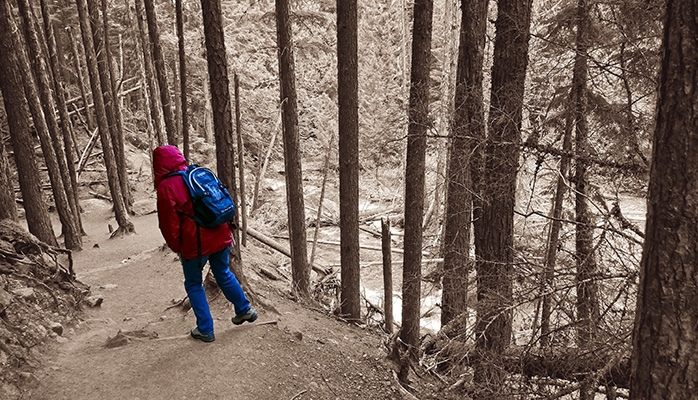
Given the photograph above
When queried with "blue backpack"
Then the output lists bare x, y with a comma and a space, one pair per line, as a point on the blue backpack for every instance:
213, 205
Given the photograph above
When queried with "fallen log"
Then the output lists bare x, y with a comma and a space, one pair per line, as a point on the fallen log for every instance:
283, 250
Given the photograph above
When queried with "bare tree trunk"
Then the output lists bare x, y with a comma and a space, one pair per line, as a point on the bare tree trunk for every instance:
665, 337
554, 236
38, 94
183, 87
125, 225
35, 209
265, 161
117, 133
81, 80
242, 203
325, 172
587, 298
496, 256
414, 178
294, 179
222, 119
469, 123
8, 203
160, 73
387, 276
72, 191
348, 97
148, 77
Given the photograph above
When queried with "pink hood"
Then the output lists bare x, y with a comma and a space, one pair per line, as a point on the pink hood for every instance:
167, 159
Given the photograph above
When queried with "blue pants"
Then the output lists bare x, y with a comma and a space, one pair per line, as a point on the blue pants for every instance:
193, 284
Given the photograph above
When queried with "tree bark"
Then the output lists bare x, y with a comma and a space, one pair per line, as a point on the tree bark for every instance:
495, 254
292, 154
8, 203
125, 224
415, 177
159, 66
587, 298
148, 76
387, 276
469, 123
66, 126
35, 209
242, 200
665, 337
183, 82
41, 106
219, 85
348, 97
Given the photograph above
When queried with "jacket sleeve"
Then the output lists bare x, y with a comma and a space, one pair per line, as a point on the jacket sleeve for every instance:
168, 218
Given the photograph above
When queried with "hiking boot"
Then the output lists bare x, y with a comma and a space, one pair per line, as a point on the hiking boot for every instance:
249, 316
196, 334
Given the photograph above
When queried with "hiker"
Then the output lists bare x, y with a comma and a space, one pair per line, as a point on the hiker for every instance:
175, 218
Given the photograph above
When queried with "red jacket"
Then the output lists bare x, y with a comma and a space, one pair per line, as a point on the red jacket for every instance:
174, 204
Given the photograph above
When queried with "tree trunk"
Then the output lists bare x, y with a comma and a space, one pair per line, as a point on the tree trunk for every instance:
160, 73
414, 178
8, 203
292, 155
665, 337
469, 123
41, 106
554, 236
91, 124
387, 276
35, 209
117, 132
242, 200
348, 96
222, 121
125, 225
587, 298
183, 82
495, 258
66, 126
148, 76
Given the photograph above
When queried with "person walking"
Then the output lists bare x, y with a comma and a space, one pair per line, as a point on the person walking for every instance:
195, 245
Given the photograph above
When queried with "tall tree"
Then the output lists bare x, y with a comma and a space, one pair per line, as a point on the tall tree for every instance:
152, 100
41, 105
468, 124
348, 95
665, 337
36, 210
125, 224
495, 249
66, 127
182, 79
292, 155
8, 206
219, 86
160, 73
111, 106
415, 168
587, 299
117, 130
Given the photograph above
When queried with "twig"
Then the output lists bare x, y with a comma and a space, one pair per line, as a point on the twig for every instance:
299, 394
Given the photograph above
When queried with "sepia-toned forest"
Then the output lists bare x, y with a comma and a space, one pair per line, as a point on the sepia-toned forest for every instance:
533, 160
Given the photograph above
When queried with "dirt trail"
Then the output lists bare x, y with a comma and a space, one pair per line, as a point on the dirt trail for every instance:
305, 355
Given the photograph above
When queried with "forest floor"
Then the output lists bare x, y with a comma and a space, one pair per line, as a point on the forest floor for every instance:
136, 343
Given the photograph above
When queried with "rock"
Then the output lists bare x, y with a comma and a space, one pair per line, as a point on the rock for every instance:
56, 327
109, 286
298, 335
27, 380
26, 293
61, 339
5, 298
94, 301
